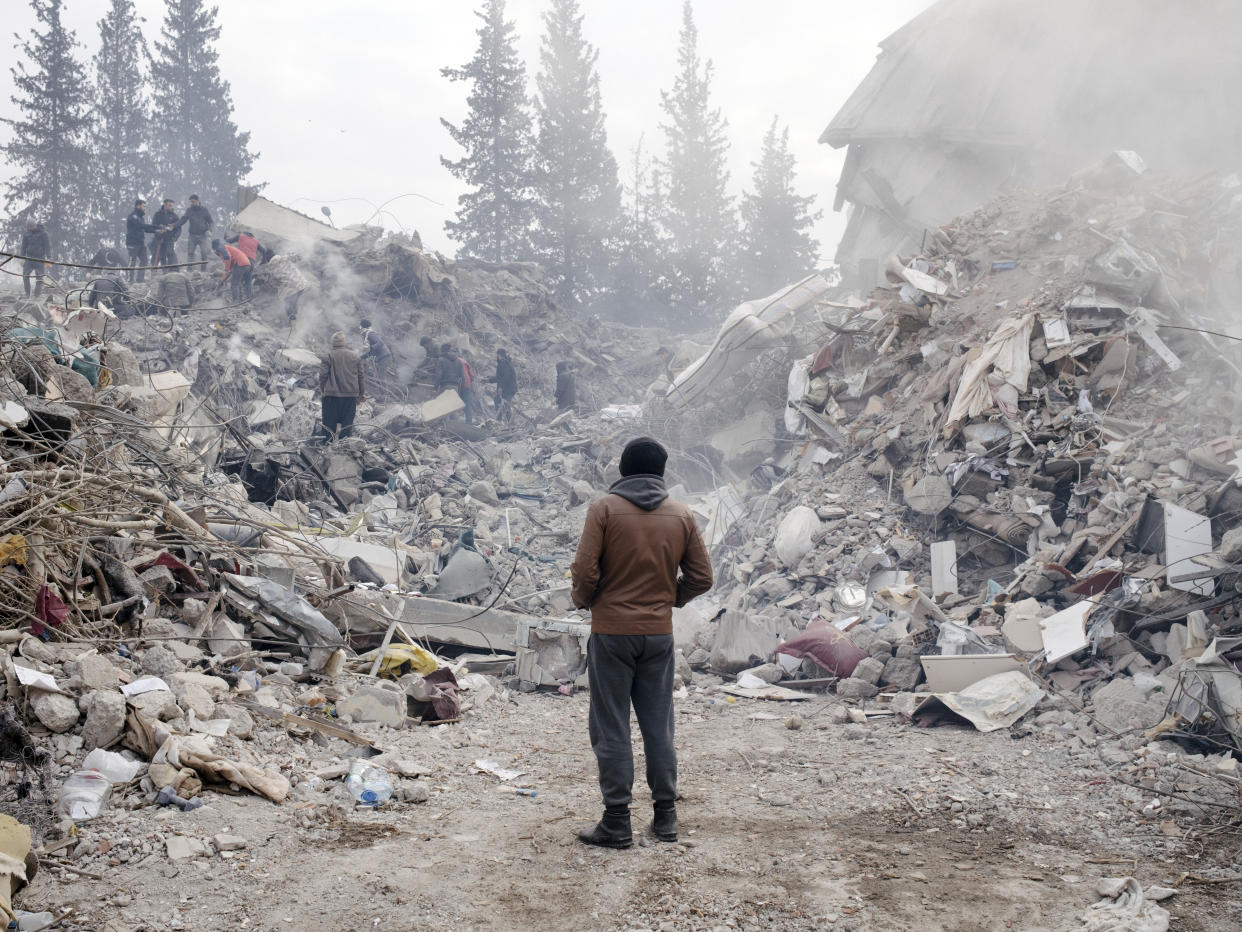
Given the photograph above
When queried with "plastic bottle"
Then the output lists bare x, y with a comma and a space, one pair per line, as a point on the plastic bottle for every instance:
367, 784
83, 794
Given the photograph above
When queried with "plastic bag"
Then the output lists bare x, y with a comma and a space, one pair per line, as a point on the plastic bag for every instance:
795, 535
83, 794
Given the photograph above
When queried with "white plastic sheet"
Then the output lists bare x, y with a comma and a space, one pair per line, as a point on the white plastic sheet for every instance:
795, 535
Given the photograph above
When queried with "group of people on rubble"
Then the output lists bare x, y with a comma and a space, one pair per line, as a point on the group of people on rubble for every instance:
240, 253
342, 378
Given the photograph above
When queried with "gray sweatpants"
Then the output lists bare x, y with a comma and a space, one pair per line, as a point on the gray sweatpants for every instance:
637, 669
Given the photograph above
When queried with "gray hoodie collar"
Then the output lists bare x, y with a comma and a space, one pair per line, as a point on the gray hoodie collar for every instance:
647, 492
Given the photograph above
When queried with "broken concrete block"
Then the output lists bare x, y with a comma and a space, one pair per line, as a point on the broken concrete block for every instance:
768, 672
96, 672
742, 641
241, 722
375, 704
105, 718
182, 847
160, 579
880, 649
1021, 629
223, 842
1230, 549
216, 687
157, 704
682, 666
580, 493
854, 688
902, 672
1119, 705
484, 491
226, 637
56, 711
869, 670
160, 661
862, 636
193, 698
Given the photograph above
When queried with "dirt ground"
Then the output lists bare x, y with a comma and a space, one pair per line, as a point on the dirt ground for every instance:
827, 826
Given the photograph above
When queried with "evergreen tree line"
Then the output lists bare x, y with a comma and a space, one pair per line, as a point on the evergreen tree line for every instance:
671, 244
90, 138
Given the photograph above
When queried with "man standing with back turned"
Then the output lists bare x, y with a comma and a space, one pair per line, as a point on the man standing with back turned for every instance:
626, 572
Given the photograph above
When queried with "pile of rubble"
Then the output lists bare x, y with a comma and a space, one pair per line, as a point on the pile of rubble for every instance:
1012, 474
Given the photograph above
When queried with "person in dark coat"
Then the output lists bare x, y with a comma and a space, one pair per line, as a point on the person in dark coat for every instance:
448, 369
506, 385
198, 223
377, 349
37, 249
566, 389
109, 257
110, 290
136, 228
167, 229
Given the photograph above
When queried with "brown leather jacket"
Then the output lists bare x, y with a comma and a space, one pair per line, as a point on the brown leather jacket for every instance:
633, 544
340, 374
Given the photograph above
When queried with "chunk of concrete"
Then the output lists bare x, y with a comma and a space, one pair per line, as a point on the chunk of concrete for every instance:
375, 705
869, 670
902, 672
96, 672
160, 579
216, 687
1122, 707
193, 698
160, 661
105, 718
182, 847
157, 704
224, 842
854, 688
55, 711
580, 493
768, 672
742, 641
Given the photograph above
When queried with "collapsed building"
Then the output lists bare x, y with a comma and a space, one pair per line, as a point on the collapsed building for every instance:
973, 97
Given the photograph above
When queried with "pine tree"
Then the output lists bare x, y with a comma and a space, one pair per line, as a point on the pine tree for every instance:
639, 276
198, 148
576, 175
123, 165
48, 142
776, 221
699, 215
495, 217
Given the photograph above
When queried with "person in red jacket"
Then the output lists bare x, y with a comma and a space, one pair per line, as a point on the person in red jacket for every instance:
237, 269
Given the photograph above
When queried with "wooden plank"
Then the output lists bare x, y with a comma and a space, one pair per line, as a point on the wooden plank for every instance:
324, 728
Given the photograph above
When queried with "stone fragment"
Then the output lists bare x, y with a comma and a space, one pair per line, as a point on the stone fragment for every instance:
216, 687
743, 640
484, 491
193, 698
869, 670
241, 722
56, 711
880, 650
682, 666
902, 672
158, 704
580, 493
413, 791
160, 661
375, 704
1230, 549
854, 688
181, 847
768, 672
160, 578
1120, 706
97, 672
105, 718
224, 842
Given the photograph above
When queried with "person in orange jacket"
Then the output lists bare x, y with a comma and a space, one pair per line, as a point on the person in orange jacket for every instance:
237, 269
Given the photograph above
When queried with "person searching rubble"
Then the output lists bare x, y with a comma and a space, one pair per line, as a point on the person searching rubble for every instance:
199, 221
377, 350
453, 371
566, 387
110, 290
37, 249
640, 555
167, 231
505, 381
237, 269
136, 228
342, 385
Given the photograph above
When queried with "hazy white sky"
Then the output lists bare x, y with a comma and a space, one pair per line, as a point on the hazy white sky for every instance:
344, 100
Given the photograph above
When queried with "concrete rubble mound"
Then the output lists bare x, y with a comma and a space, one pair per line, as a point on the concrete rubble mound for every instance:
1002, 488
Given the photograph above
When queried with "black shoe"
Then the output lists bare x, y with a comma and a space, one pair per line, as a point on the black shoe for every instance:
612, 831
664, 825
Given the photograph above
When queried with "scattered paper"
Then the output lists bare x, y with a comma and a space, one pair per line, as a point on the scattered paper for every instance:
33, 679
490, 766
145, 685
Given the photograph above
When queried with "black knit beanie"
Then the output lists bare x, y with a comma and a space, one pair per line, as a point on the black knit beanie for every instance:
644, 456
